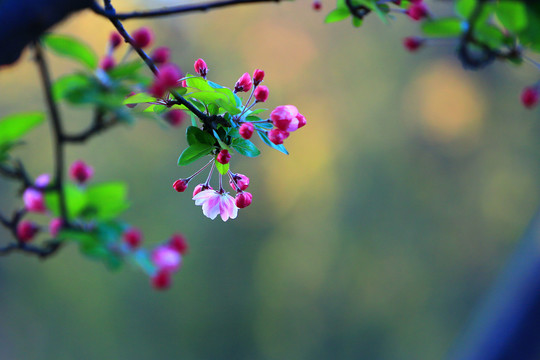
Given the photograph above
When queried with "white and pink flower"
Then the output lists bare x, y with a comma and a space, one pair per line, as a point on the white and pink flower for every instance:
214, 203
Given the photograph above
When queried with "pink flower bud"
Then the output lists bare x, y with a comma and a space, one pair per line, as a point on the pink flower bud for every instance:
261, 93
201, 187
282, 116
413, 43
169, 75
161, 55
529, 97
34, 201
166, 258
243, 84
246, 130
277, 136
223, 157
317, 5
42, 181
26, 230
55, 226
157, 89
243, 200
161, 280
115, 40
183, 83
107, 63
178, 243
241, 180
132, 237
175, 117
180, 185
258, 76
301, 120
80, 172
417, 11
201, 68
143, 37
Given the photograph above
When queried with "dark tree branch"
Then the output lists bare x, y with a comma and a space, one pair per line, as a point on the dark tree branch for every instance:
174, 10
17, 172
98, 125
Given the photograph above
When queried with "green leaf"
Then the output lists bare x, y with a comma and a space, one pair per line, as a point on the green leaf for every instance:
445, 27
65, 85
257, 111
126, 70
357, 22
222, 144
465, 7
267, 141
199, 83
245, 147
337, 15
75, 201
13, 127
197, 136
194, 152
139, 98
106, 200
490, 35
72, 48
222, 168
512, 14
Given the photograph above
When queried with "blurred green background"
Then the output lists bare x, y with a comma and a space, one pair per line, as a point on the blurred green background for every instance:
377, 238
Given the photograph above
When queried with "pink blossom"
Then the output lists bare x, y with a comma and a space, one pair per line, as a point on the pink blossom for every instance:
42, 181
55, 226
241, 180
34, 201
80, 171
201, 68
258, 76
282, 116
166, 258
214, 203
261, 93
244, 83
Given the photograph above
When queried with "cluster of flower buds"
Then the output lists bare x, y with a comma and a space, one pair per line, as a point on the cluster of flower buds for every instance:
167, 260
286, 119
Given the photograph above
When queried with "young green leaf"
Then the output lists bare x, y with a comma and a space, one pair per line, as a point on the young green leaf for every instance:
222, 168
512, 14
194, 152
337, 15
72, 48
106, 201
267, 141
197, 136
245, 147
139, 98
75, 201
446, 27
68, 84
13, 127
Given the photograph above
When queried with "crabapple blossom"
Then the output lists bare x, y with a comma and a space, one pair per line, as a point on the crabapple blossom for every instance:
246, 130
261, 93
243, 200
143, 37
166, 258
243, 84
42, 181
223, 157
241, 180
80, 172
282, 116
26, 230
258, 76
34, 201
200, 67
530, 97
180, 185
55, 226
201, 187
214, 203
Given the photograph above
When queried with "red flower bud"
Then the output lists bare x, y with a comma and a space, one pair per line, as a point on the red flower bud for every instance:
26, 230
107, 63
161, 55
413, 43
175, 117
301, 120
115, 40
55, 226
132, 237
282, 116
277, 136
417, 11
317, 5
80, 172
261, 93
241, 180
201, 187
143, 37
243, 200
243, 84
529, 97
224, 157
201, 68
246, 130
180, 185
178, 243
161, 280
169, 75
258, 76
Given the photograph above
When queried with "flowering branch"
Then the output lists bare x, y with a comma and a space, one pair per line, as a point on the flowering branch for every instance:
174, 10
